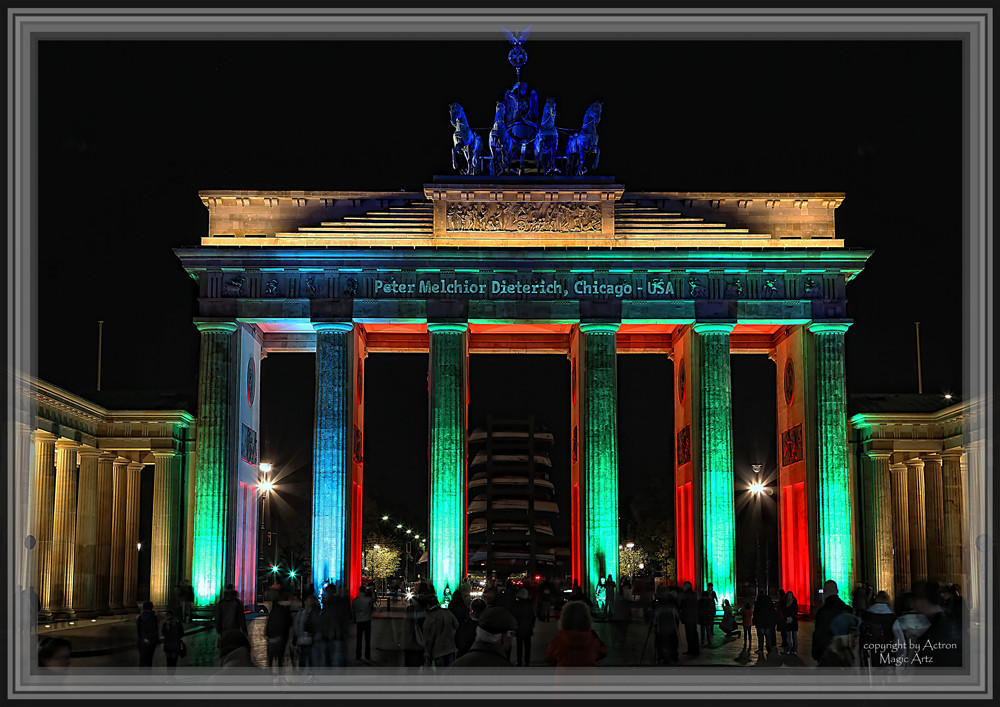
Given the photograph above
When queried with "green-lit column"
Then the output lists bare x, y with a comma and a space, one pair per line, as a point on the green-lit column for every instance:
718, 514
448, 379
836, 548
213, 453
331, 455
599, 459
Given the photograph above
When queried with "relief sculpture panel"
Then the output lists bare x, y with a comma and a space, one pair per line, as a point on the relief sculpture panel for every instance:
524, 218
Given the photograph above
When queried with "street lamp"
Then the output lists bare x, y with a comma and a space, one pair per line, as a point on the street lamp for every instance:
264, 488
757, 488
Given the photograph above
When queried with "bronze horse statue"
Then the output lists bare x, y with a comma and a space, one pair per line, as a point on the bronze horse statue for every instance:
547, 140
581, 147
466, 142
500, 143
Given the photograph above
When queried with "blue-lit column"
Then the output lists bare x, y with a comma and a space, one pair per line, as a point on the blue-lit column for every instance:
835, 501
208, 565
331, 455
448, 369
718, 515
599, 458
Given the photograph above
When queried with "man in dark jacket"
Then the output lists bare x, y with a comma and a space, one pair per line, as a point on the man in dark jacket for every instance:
229, 612
524, 614
492, 643
940, 646
148, 631
173, 633
875, 635
832, 607
764, 619
465, 636
689, 617
279, 622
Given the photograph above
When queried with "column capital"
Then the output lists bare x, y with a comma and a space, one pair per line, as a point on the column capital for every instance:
829, 327
133, 466
87, 451
457, 327
42, 436
952, 453
121, 461
64, 443
213, 325
915, 462
898, 466
107, 456
599, 327
166, 453
332, 326
713, 327
879, 454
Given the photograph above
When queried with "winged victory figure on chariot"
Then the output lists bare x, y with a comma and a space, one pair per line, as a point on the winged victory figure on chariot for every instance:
518, 140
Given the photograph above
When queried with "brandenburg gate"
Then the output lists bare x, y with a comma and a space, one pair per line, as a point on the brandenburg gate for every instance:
575, 266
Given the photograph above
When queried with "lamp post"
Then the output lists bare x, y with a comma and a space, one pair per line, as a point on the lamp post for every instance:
757, 488
264, 487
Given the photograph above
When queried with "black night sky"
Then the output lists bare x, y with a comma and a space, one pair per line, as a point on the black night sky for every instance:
129, 132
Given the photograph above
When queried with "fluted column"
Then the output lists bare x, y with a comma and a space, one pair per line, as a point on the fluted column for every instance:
43, 489
716, 473
918, 519
974, 490
85, 564
881, 521
955, 542
448, 376
331, 453
105, 504
64, 528
161, 580
119, 512
934, 510
835, 497
214, 457
130, 564
20, 488
900, 529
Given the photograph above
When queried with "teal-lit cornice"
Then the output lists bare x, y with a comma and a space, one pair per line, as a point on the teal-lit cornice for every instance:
847, 260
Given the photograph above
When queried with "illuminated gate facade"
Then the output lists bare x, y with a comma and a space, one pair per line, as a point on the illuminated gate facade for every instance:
574, 266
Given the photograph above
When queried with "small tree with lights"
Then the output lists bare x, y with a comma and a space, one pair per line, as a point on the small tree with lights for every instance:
630, 557
382, 556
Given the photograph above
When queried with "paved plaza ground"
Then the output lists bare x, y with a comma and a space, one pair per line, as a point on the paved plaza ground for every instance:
110, 642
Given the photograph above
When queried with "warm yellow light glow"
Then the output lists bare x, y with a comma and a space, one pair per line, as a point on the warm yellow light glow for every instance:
408, 532
265, 486
385, 517
642, 565
399, 526
378, 547
756, 487
265, 467
947, 396
630, 545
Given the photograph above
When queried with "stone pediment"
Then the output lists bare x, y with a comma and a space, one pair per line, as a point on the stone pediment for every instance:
521, 214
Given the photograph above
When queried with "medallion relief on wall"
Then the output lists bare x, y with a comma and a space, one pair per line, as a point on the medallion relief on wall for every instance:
524, 218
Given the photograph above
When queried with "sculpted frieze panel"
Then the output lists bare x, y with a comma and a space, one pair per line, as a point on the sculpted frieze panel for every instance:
519, 217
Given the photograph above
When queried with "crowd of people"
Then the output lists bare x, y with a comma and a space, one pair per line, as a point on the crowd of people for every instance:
923, 627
